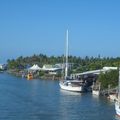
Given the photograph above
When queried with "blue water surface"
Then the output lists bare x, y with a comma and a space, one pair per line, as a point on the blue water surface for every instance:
22, 99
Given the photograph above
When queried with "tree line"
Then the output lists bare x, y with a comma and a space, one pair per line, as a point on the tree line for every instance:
80, 64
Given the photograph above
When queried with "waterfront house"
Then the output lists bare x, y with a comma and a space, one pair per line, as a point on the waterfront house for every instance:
2, 66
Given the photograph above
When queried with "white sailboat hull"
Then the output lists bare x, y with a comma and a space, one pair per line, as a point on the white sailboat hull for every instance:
71, 88
117, 108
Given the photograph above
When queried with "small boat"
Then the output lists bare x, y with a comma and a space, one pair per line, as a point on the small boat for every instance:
117, 102
67, 83
96, 90
29, 76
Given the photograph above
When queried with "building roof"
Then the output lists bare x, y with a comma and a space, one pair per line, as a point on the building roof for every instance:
50, 68
35, 67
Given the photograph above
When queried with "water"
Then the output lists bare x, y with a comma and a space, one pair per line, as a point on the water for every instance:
21, 99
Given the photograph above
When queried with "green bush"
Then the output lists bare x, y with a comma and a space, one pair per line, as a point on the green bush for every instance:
109, 78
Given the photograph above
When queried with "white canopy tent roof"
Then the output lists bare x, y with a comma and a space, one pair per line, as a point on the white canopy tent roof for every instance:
50, 68
35, 67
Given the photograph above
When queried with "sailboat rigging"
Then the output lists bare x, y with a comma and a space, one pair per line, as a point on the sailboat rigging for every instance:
68, 84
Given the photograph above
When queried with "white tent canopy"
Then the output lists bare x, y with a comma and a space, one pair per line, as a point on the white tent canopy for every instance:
35, 67
50, 68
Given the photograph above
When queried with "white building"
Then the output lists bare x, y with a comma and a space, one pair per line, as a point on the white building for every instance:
2, 66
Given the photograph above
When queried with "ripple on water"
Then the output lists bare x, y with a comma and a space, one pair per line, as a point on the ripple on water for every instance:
43, 100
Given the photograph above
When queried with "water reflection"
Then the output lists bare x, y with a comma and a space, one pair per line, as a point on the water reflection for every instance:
95, 96
69, 104
117, 117
44, 100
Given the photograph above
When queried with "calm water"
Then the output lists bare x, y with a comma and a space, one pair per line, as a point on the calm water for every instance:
21, 99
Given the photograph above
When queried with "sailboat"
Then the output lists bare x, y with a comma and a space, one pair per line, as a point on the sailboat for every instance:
70, 84
117, 103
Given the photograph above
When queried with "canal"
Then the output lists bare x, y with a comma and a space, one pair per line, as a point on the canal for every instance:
21, 99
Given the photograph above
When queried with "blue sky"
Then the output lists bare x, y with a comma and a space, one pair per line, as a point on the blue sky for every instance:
30, 27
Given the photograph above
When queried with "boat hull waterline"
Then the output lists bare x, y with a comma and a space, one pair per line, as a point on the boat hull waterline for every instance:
71, 88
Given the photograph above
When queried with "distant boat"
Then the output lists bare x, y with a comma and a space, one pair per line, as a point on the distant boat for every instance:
96, 92
117, 103
67, 83
29, 76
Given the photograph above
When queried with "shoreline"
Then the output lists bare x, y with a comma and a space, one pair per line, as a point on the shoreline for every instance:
20, 73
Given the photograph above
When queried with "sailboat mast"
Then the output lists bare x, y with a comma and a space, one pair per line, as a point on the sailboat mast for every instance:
66, 64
